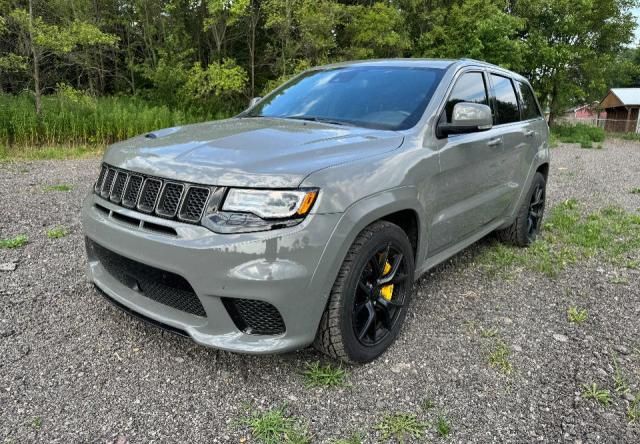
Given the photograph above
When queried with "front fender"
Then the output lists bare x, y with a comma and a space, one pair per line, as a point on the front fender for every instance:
358, 216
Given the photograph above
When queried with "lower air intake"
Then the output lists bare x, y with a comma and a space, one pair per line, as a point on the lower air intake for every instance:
161, 286
254, 317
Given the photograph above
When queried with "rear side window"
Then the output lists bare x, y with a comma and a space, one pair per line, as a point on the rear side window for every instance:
529, 106
507, 110
471, 88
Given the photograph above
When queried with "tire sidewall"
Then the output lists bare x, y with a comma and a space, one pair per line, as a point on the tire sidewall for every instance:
523, 235
356, 351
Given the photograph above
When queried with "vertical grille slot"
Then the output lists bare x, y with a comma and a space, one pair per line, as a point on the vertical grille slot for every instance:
108, 181
130, 197
170, 199
193, 204
149, 195
118, 187
98, 186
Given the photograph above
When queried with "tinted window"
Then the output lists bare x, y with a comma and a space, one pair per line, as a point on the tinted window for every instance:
507, 110
375, 97
469, 88
529, 106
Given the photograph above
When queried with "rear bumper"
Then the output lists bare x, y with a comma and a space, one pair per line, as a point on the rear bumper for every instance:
286, 268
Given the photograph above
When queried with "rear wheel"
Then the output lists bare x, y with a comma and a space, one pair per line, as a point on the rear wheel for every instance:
368, 301
526, 227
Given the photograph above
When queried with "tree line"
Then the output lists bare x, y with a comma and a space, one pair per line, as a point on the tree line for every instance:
218, 53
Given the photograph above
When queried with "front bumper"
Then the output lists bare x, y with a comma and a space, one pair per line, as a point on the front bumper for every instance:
287, 268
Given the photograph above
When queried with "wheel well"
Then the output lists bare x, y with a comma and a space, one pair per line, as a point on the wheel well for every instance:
544, 170
408, 221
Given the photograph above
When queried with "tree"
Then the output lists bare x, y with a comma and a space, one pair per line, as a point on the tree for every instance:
572, 45
376, 31
222, 15
477, 29
43, 40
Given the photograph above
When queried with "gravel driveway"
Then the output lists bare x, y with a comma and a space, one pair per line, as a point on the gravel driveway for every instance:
75, 369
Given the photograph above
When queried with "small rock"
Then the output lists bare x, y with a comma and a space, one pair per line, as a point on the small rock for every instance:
517, 348
179, 360
560, 338
629, 397
621, 349
398, 368
602, 372
8, 266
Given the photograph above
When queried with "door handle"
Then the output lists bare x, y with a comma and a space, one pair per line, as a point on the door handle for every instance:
529, 133
495, 142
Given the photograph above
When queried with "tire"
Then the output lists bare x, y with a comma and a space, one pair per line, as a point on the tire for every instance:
352, 299
525, 229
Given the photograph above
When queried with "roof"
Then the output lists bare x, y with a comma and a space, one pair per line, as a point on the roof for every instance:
621, 97
421, 63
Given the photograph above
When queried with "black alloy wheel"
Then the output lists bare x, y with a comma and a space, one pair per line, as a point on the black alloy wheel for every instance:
379, 295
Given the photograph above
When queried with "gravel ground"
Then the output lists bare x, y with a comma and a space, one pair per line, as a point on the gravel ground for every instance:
75, 369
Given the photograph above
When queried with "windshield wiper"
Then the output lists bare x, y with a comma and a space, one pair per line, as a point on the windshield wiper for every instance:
318, 119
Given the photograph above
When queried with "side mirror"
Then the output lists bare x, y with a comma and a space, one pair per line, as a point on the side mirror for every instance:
253, 101
467, 118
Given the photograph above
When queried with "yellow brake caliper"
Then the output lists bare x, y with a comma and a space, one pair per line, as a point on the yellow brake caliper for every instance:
387, 291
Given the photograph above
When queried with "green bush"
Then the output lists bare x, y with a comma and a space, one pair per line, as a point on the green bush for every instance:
583, 134
69, 119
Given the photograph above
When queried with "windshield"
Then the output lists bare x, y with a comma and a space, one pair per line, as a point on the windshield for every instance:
379, 97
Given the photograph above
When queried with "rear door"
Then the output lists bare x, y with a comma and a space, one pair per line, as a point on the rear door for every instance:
468, 187
534, 133
515, 133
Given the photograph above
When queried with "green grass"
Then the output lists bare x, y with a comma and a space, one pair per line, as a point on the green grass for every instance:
316, 375
63, 187
36, 422
635, 190
49, 153
602, 396
355, 438
499, 357
275, 427
14, 242
577, 315
57, 232
568, 237
427, 404
620, 383
85, 120
582, 134
401, 427
443, 426
633, 411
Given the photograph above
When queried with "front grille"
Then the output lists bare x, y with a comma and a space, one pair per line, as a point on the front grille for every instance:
194, 204
170, 199
118, 186
161, 286
164, 198
149, 195
254, 317
108, 181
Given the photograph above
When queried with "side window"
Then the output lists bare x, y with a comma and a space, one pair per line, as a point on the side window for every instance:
529, 106
470, 87
507, 110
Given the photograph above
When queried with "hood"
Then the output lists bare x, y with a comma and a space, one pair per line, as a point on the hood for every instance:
248, 152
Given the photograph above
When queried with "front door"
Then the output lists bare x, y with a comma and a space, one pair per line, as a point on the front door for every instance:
470, 184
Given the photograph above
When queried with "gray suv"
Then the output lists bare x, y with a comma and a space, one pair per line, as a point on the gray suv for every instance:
307, 218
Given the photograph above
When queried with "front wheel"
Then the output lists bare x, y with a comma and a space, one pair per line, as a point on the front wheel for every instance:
368, 301
526, 227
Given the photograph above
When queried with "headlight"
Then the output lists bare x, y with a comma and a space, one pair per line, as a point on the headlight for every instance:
245, 210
